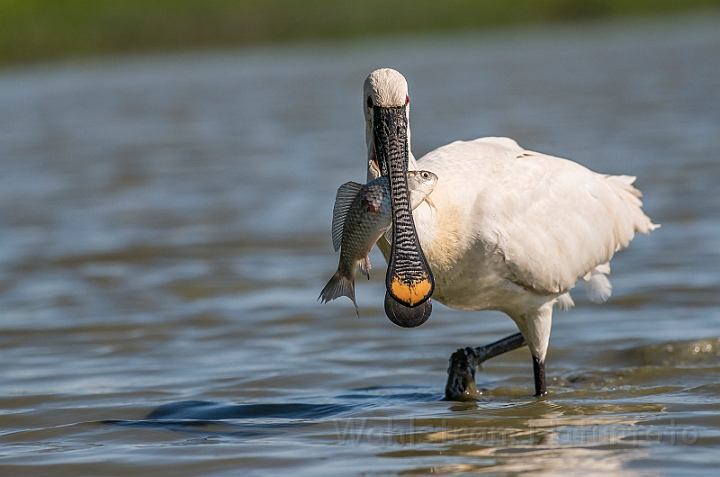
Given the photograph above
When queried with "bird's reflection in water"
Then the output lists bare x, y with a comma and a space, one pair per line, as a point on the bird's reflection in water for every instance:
543, 445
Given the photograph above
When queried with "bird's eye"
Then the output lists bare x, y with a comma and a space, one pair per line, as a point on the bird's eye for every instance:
369, 102
425, 175
407, 100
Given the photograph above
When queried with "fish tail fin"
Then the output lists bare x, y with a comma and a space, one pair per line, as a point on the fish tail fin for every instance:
338, 286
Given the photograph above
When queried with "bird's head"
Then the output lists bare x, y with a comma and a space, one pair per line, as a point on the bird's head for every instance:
384, 88
409, 281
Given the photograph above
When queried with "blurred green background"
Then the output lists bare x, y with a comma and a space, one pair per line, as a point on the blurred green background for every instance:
32, 30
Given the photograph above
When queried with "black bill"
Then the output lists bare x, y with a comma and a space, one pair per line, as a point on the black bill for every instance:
409, 281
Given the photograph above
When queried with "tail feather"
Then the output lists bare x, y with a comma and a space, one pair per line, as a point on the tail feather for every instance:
338, 286
564, 302
597, 286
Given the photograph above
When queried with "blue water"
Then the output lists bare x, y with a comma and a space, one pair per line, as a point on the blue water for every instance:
165, 232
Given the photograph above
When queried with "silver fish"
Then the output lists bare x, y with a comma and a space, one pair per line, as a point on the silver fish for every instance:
362, 214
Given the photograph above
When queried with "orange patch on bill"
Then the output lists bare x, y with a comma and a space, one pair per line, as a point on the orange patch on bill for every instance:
410, 294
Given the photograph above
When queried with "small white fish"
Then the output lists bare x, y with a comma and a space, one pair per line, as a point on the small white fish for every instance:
362, 214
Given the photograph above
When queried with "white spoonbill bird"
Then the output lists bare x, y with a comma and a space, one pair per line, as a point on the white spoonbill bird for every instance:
505, 228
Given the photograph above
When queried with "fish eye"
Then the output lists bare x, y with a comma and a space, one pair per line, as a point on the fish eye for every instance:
369, 102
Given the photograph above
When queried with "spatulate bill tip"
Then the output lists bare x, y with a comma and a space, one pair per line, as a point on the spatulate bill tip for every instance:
404, 316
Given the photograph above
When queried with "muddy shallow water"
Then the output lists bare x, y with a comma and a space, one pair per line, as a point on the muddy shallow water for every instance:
165, 232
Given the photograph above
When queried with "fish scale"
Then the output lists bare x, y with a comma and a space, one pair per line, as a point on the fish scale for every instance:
361, 215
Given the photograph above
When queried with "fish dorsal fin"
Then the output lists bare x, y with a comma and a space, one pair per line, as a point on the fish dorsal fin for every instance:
346, 193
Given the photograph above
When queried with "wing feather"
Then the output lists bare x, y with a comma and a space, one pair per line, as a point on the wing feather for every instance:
567, 220
551, 220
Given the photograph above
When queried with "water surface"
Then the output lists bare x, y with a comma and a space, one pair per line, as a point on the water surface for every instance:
165, 232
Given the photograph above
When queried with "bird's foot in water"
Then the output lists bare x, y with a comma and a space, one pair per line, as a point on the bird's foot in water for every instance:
461, 375
465, 361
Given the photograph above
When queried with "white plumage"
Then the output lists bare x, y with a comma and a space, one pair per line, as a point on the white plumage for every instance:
513, 230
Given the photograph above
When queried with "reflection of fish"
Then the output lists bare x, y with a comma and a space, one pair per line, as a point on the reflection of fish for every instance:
362, 213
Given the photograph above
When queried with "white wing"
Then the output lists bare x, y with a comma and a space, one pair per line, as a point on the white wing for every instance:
551, 220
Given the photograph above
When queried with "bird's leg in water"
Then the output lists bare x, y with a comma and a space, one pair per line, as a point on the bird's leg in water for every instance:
465, 361
539, 369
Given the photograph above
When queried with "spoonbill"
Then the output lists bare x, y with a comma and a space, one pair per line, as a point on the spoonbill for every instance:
505, 229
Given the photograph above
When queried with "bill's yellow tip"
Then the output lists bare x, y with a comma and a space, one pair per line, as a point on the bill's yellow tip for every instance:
411, 293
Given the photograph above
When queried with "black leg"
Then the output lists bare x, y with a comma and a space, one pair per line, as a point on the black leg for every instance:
539, 369
464, 362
